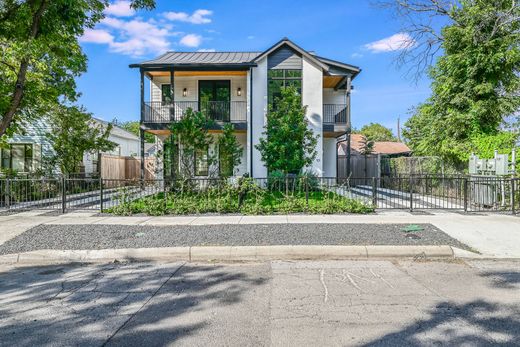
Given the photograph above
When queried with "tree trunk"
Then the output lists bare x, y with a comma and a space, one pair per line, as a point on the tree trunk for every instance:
7, 117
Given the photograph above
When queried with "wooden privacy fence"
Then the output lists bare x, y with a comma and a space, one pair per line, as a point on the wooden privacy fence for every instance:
360, 166
126, 168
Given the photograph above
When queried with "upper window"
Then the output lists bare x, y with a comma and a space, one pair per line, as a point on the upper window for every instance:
17, 157
278, 79
166, 93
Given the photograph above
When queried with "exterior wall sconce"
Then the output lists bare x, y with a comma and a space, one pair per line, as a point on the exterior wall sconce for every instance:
185, 92
239, 91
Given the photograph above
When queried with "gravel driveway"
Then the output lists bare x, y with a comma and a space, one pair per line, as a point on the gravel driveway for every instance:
73, 237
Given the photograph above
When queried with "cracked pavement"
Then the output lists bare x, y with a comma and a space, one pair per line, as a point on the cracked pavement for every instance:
329, 303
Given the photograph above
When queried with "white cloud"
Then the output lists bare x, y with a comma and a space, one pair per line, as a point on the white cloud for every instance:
97, 36
395, 42
197, 17
120, 8
356, 55
250, 37
134, 37
191, 40
139, 37
206, 50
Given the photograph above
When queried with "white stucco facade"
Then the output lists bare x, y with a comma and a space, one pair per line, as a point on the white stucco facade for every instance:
323, 90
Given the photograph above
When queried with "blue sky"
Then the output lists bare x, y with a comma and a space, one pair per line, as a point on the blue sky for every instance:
351, 31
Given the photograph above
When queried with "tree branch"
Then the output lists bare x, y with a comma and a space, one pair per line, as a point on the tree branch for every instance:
7, 118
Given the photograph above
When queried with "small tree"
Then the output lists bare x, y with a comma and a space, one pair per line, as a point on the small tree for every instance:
74, 132
287, 145
191, 135
230, 151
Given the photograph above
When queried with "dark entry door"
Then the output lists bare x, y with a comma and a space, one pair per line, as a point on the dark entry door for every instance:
214, 99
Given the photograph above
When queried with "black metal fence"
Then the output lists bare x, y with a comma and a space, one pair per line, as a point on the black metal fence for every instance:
459, 193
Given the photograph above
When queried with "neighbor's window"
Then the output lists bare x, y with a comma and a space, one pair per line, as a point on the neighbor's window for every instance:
17, 157
201, 162
166, 93
278, 79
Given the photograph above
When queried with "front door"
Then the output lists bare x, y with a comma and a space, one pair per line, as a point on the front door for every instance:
214, 99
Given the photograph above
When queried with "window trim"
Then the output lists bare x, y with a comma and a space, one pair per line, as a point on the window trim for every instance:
25, 158
284, 78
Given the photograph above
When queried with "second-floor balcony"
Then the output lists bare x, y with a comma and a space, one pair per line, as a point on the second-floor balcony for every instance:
158, 112
219, 111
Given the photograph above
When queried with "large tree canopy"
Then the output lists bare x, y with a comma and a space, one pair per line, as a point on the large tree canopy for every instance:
40, 55
377, 132
475, 84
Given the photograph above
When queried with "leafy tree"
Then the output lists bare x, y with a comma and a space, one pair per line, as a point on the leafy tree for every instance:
475, 83
191, 134
230, 151
40, 55
134, 127
377, 132
74, 132
287, 145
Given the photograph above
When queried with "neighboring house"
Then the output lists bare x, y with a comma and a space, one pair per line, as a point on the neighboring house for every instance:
128, 145
384, 148
237, 87
24, 153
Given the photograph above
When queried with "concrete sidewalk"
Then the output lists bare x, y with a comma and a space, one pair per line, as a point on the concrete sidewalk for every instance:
493, 235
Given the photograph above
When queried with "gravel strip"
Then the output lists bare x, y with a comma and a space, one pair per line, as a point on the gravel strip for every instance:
118, 236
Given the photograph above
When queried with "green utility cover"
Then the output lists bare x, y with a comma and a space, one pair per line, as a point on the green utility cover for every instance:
412, 228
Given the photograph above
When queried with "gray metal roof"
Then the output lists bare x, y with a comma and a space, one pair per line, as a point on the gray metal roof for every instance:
203, 58
240, 60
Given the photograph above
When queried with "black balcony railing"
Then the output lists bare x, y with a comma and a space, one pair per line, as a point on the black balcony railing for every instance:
220, 111
335, 114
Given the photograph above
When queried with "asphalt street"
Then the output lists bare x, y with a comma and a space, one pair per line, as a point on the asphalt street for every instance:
334, 303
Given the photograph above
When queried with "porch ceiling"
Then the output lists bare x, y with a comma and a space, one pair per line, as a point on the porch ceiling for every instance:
331, 81
197, 73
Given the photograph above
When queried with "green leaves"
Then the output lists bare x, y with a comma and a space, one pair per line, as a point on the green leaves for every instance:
377, 132
230, 151
475, 83
287, 145
74, 132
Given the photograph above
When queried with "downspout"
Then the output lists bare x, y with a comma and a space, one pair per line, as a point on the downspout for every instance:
251, 122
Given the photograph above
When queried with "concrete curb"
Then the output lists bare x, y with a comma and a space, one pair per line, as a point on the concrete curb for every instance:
228, 254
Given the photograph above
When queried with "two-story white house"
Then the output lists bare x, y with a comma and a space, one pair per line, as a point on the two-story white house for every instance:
237, 87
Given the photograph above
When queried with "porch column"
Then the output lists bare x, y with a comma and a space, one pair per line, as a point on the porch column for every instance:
141, 128
349, 128
141, 136
172, 95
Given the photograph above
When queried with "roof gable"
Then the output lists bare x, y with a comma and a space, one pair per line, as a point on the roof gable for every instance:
286, 42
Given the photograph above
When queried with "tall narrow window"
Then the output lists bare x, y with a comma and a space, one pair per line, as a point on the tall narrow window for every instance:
278, 79
201, 162
166, 94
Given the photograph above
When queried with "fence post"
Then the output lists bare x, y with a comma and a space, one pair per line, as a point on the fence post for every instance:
101, 198
411, 193
465, 195
374, 192
63, 195
513, 210
7, 193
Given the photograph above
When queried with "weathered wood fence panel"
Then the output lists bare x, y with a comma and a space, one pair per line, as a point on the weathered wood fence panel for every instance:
360, 166
126, 168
